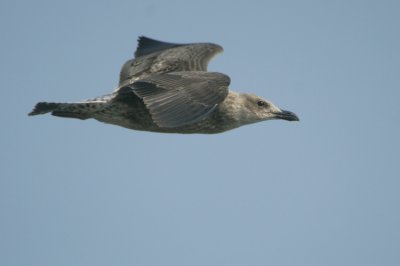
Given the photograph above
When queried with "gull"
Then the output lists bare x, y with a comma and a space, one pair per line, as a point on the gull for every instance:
166, 88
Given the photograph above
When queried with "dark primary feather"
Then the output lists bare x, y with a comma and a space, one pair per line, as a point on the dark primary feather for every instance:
147, 46
181, 98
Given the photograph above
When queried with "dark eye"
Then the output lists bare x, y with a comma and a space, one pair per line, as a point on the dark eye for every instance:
261, 103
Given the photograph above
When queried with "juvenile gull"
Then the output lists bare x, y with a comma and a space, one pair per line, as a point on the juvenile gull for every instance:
166, 88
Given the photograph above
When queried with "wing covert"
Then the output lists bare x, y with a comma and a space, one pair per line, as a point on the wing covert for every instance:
181, 98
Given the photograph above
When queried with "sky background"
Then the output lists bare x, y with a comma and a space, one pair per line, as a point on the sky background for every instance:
323, 191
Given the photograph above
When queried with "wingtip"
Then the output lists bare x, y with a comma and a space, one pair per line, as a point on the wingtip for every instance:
148, 45
141, 39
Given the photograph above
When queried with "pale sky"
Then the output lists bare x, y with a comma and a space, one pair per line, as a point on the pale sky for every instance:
323, 191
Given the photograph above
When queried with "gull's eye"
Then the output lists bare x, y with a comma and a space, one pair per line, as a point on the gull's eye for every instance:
261, 103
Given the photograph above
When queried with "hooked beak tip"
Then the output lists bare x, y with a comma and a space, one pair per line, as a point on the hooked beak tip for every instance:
287, 115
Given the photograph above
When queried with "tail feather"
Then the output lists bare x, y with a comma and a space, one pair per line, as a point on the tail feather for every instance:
70, 110
43, 108
68, 114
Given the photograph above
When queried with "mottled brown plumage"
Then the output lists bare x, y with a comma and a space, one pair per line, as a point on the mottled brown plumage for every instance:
166, 88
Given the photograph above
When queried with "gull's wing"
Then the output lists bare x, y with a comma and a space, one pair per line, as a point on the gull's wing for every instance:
154, 56
180, 98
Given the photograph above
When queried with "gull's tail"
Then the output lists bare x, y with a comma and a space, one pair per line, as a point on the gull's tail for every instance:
44, 107
83, 110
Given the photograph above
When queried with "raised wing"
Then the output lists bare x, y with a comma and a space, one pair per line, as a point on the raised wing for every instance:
181, 98
154, 56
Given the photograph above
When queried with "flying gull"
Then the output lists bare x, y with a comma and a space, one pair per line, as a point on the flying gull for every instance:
166, 88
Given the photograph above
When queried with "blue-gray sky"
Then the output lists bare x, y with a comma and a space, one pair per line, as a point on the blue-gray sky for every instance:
324, 191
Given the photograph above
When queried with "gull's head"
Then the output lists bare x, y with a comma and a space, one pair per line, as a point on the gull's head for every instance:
259, 109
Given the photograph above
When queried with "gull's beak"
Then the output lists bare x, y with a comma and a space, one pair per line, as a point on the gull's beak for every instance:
287, 115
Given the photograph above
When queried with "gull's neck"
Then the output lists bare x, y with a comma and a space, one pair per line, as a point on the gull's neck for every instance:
235, 108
